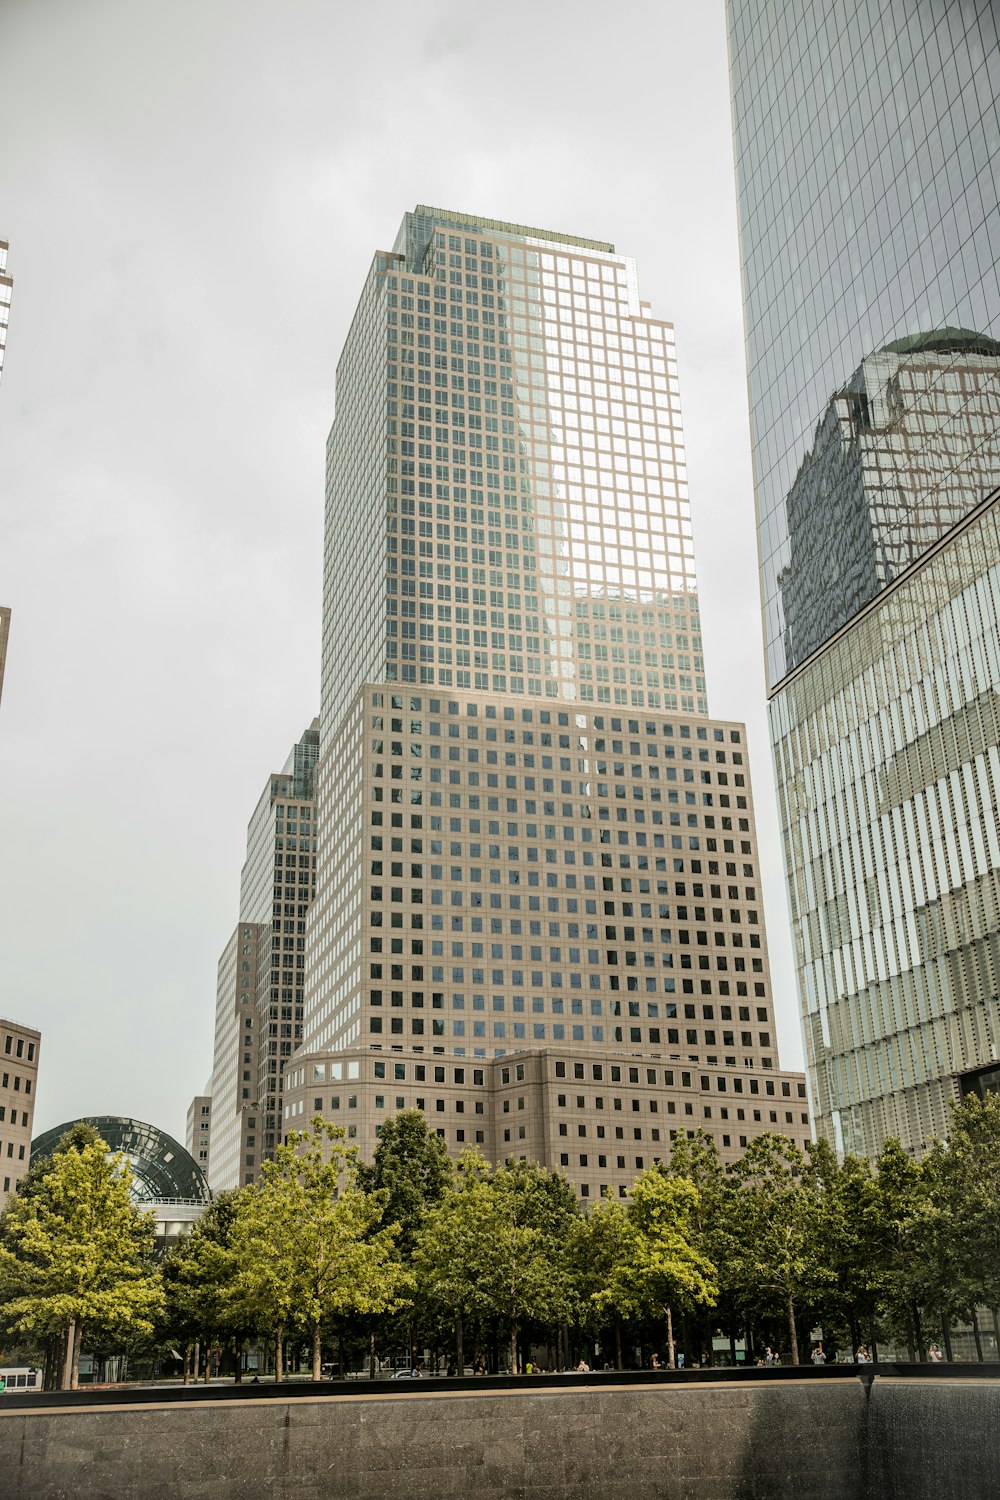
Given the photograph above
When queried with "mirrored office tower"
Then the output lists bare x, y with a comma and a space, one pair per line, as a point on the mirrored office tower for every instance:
536, 851
867, 153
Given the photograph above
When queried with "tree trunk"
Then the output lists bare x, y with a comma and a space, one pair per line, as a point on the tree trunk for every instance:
371, 1355
77, 1345
279, 1354
67, 1380
911, 1343
732, 1347
513, 1348
855, 1328
196, 1359
975, 1335
208, 1362
873, 1341
918, 1330
996, 1329
618, 1343
792, 1333
946, 1334
671, 1361
238, 1361
187, 1364
459, 1344
317, 1352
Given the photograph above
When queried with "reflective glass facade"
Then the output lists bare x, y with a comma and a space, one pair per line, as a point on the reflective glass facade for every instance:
507, 499
867, 140
868, 161
888, 770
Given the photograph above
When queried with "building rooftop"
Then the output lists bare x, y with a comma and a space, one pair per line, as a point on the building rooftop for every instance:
502, 226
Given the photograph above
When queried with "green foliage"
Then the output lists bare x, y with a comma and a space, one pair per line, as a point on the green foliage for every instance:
322, 1245
771, 1244
497, 1245
310, 1244
199, 1277
412, 1168
74, 1250
665, 1270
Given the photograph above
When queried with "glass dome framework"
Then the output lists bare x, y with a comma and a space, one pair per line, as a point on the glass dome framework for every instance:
163, 1171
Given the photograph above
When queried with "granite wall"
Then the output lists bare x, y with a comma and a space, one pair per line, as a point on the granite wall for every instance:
753, 1441
711, 1443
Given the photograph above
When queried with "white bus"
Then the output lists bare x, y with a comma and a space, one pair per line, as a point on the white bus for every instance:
20, 1378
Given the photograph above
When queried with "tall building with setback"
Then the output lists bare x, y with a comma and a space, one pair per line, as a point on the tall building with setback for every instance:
19, 1050
259, 991
198, 1128
867, 146
537, 863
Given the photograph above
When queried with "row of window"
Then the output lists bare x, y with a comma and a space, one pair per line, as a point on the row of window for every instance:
5, 1082
18, 1047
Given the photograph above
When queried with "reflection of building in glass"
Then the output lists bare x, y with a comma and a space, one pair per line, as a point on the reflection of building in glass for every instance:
258, 1017
869, 209
903, 452
519, 790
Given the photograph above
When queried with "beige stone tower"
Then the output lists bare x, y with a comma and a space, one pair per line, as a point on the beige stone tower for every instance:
538, 907
19, 1050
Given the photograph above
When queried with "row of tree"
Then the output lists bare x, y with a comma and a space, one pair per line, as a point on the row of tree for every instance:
414, 1251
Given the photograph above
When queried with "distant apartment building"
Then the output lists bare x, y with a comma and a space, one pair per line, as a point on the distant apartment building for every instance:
198, 1132
259, 990
19, 1051
537, 870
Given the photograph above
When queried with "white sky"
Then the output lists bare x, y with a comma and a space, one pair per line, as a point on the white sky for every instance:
192, 195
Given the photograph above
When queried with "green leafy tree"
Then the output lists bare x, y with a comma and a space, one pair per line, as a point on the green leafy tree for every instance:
771, 1233
411, 1168
600, 1244
955, 1232
75, 1254
496, 1245
853, 1236
200, 1283
309, 1243
903, 1207
696, 1158
661, 1270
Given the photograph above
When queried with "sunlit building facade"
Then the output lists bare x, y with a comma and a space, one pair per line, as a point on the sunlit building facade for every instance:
866, 142
519, 788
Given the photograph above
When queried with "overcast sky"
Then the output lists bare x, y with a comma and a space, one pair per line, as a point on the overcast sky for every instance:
192, 195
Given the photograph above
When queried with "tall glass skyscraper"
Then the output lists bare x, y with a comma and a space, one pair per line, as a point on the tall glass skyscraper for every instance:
536, 852
867, 147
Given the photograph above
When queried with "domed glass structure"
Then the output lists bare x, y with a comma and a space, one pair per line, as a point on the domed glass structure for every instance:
165, 1176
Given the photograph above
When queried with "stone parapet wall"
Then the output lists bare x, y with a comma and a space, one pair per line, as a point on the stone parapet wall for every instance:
753, 1440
